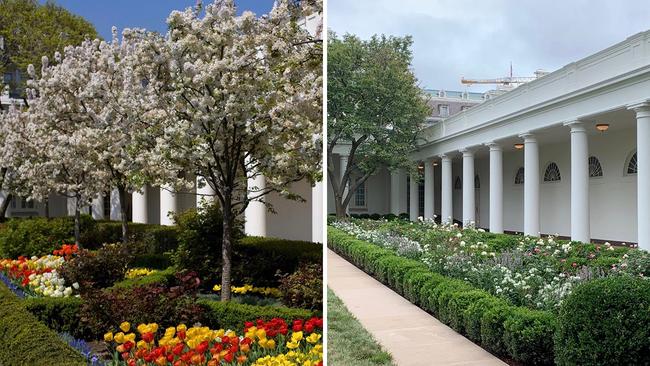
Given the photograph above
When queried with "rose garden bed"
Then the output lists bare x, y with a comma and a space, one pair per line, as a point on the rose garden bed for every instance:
512, 294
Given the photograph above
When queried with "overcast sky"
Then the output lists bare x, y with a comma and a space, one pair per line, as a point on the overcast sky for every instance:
479, 38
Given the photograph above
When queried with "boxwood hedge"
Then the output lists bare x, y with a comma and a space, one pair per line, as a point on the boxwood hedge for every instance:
524, 335
26, 341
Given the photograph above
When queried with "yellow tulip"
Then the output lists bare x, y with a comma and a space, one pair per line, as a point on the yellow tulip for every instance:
125, 326
142, 328
108, 337
313, 338
130, 337
293, 344
181, 327
119, 337
296, 336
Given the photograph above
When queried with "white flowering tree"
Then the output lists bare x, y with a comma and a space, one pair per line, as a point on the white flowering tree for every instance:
241, 96
12, 151
84, 110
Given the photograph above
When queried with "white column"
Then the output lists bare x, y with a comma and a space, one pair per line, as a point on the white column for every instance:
204, 193
496, 188
643, 173
256, 211
139, 202
168, 205
414, 198
579, 182
116, 214
469, 206
398, 192
97, 207
531, 185
447, 210
429, 196
317, 212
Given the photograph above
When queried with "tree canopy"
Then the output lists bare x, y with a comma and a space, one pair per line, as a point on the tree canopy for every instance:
31, 30
375, 108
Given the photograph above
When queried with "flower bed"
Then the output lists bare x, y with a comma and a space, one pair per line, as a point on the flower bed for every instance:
534, 272
39, 276
271, 342
515, 332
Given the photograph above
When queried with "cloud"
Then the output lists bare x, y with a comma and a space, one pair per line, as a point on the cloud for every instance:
479, 39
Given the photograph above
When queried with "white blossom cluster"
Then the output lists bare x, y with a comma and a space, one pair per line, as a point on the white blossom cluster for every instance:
51, 284
404, 247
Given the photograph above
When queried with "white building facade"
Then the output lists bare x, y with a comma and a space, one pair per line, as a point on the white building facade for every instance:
567, 154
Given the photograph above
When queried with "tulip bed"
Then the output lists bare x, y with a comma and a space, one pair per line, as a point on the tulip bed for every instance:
38, 276
262, 343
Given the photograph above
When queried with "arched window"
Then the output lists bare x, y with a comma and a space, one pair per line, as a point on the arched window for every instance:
458, 184
630, 166
519, 177
595, 170
477, 182
552, 173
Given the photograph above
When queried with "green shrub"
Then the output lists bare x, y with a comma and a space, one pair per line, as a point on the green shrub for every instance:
304, 287
605, 322
98, 269
200, 235
413, 282
492, 328
475, 312
26, 341
457, 305
38, 236
258, 260
58, 313
528, 336
230, 315
147, 238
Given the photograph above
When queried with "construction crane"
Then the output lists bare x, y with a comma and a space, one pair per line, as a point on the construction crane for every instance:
506, 81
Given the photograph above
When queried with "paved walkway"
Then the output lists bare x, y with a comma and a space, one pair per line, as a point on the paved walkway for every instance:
409, 333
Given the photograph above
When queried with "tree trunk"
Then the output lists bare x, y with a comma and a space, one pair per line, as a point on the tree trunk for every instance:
77, 220
4, 206
340, 208
226, 249
125, 228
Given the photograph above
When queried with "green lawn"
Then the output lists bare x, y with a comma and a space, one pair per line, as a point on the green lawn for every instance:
348, 343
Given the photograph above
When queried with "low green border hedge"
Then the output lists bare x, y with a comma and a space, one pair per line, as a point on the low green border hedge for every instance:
519, 333
230, 315
26, 341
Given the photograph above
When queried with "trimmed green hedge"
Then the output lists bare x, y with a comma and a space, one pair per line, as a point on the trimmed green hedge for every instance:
605, 322
58, 313
26, 341
519, 333
230, 315
164, 277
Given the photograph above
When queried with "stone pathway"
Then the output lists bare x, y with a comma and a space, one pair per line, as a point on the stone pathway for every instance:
410, 334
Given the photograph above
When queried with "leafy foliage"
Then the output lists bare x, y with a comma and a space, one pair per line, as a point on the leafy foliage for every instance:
304, 287
31, 30
99, 269
374, 104
605, 322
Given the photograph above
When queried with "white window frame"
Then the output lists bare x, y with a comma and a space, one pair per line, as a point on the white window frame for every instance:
363, 186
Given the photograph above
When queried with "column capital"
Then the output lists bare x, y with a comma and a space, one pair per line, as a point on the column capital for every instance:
642, 106
575, 125
528, 137
493, 146
467, 152
445, 157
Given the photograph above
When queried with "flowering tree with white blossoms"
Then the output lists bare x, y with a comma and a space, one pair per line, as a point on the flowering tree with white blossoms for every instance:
240, 97
12, 152
84, 122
